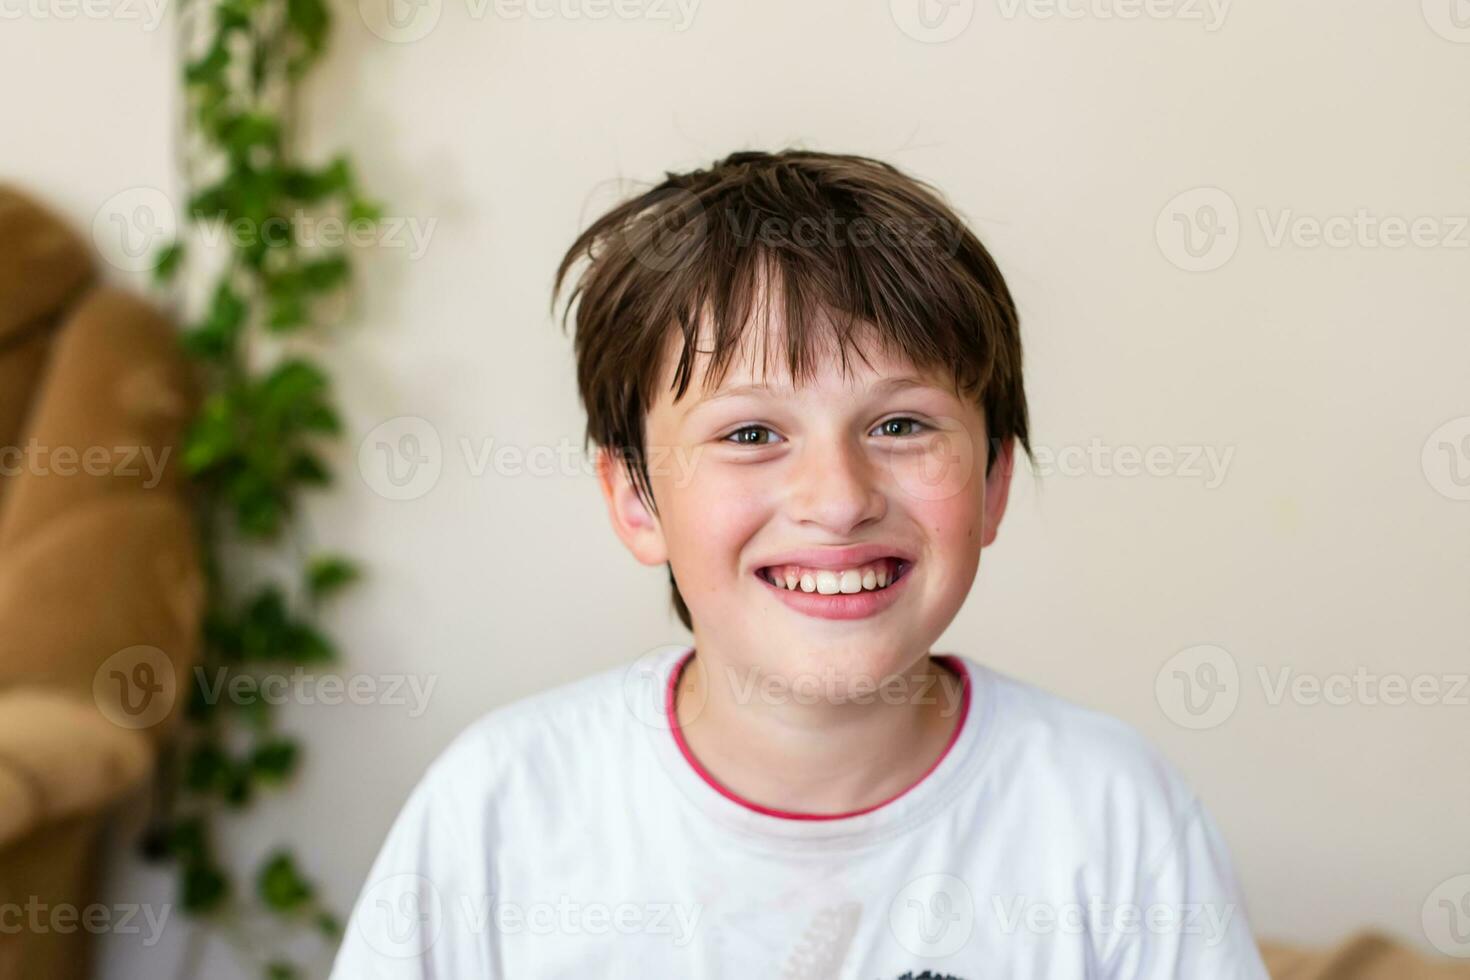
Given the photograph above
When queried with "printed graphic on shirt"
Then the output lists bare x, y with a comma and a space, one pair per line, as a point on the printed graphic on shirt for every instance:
823, 947
748, 937
825, 944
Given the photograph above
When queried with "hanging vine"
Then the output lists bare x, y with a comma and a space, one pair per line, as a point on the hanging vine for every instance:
252, 449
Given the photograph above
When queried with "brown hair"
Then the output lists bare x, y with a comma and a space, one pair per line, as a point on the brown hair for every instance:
833, 234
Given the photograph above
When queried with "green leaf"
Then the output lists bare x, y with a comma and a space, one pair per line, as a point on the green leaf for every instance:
280, 970
259, 506
227, 311
337, 176
264, 625
169, 259
287, 313
205, 888
274, 761
249, 131
212, 436
327, 575
303, 184
189, 840
212, 203
239, 785
311, 20
211, 67
306, 645
328, 925
204, 345
215, 337
307, 468
321, 418
364, 210
231, 15
291, 383
325, 274
281, 886
207, 768
200, 708
257, 713
222, 634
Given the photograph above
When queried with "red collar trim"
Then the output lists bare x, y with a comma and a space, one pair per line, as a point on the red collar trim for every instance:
949, 660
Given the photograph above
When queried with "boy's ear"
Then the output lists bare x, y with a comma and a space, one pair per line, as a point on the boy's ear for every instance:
997, 489
637, 528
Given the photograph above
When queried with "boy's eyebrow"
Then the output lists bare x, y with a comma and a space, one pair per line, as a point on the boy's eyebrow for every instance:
758, 388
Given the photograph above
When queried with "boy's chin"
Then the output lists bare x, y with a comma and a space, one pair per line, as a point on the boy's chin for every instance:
837, 667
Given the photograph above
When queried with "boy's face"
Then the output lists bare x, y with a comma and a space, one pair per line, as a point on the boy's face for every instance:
787, 477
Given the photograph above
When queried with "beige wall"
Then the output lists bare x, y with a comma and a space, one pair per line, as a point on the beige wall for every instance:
1329, 535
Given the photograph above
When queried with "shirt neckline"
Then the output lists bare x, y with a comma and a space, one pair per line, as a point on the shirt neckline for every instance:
764, 826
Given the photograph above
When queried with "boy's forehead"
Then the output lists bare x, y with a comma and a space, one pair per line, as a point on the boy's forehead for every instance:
760, 358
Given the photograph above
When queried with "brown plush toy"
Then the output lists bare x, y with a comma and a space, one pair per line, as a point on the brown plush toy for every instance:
101, 591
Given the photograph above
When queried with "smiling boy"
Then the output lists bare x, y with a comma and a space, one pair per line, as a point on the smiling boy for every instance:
824, 365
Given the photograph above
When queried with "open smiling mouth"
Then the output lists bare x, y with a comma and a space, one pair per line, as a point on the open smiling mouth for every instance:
873, 576
853, 593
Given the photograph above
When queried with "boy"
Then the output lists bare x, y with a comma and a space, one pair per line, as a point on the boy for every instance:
803, 374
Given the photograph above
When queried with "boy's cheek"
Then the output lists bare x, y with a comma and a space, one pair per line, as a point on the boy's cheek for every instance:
952, 526
945, 501
944, 471
711, 519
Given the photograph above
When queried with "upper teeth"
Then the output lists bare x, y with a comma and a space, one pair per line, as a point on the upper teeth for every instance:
830, 581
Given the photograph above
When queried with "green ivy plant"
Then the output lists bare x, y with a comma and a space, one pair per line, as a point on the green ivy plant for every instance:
253, 447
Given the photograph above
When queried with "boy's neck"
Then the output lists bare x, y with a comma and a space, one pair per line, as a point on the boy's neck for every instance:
817, 757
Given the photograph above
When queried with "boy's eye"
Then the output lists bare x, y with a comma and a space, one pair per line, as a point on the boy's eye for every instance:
760, 435
749, 435
902, 426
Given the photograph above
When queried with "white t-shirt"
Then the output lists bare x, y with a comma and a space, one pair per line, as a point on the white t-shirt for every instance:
571, 835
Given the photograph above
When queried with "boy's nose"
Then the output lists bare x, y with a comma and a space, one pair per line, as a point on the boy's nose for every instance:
835, 486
